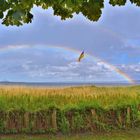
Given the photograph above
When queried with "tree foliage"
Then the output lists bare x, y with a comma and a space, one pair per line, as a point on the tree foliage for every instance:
18, 12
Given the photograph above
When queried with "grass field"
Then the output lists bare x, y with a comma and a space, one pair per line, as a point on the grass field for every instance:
33, 99
119, 135
68, 110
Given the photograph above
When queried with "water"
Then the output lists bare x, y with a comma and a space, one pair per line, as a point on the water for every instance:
65, 84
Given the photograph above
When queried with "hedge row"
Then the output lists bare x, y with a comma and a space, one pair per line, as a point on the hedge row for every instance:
54, 120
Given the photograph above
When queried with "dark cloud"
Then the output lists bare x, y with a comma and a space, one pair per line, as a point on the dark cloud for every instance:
50, 31
115, 39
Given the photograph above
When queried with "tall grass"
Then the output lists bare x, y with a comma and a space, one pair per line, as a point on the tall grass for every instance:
33, 99
65, 110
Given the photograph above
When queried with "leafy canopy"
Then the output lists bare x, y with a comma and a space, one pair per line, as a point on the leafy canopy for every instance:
18, 12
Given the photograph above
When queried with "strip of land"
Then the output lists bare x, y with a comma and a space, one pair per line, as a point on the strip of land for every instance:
117, 135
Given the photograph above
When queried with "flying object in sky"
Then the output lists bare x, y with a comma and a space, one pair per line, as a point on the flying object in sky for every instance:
81, 56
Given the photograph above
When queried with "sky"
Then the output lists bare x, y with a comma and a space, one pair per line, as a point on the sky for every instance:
47, 49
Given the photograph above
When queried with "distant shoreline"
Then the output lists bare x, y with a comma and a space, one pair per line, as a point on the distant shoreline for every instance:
62, 84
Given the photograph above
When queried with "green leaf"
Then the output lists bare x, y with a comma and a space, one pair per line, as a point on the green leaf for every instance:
1, 15
18, 12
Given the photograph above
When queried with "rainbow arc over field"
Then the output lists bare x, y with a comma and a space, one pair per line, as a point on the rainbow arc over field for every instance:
96, 59
124, 75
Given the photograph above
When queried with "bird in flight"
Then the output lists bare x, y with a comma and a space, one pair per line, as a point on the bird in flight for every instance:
81, 56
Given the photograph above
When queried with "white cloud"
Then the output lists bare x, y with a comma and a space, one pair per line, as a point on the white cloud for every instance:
45, 64
85, 70
130, 67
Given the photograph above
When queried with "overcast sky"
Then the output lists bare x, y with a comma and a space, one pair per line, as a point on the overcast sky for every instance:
33, 52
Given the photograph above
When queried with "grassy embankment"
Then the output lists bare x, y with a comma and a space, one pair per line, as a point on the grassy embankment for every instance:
117, 135
68, 110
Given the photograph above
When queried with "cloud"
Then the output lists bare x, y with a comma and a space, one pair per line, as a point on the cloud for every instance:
87, 70
75, 33
131, 68
103, 39
26, 53
41, 63
33, 63
121, 20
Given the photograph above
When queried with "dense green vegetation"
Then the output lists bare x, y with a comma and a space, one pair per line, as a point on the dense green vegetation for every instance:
18, 12
68, 110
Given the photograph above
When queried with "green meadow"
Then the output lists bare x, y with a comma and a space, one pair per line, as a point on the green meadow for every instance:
119, 135
35, 99
68, 110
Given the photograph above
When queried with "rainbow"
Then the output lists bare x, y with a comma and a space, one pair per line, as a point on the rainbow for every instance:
96, 59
